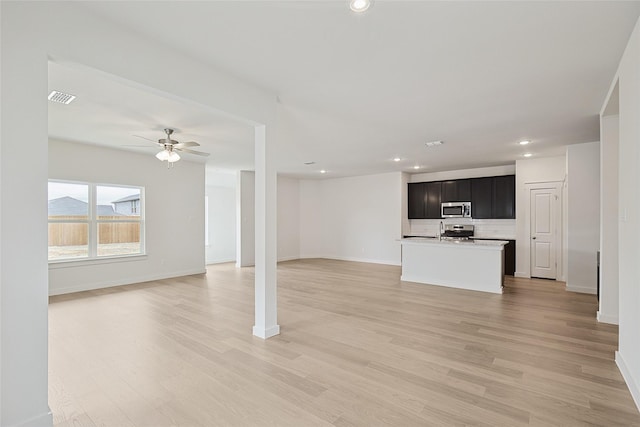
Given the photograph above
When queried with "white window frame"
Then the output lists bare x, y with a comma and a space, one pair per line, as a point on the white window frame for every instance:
93, 223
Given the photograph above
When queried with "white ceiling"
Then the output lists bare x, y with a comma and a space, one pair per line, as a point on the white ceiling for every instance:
358, 90
109, 112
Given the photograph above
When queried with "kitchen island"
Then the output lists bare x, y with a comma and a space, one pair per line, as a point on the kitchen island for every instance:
476, 265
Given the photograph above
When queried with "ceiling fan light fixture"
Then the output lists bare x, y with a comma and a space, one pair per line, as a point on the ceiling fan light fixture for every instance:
170, 147
163, 155
173, 157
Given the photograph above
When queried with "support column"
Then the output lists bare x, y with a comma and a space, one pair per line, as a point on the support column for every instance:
24, 291
609, 217
266, 303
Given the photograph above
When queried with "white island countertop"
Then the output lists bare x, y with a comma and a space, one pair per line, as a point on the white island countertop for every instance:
479, 244
466, 264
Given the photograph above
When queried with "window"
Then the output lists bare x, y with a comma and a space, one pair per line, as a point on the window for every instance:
88, 221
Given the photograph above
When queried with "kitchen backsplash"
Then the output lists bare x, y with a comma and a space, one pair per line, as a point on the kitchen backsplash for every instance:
488, 228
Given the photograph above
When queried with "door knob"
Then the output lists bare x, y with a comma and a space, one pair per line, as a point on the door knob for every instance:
533, 238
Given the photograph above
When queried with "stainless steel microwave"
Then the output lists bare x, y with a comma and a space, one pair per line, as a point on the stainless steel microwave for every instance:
456, 210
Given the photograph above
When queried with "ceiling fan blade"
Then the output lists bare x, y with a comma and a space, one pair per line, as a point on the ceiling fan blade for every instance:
139, 146
186, 144
147, 139
186, 150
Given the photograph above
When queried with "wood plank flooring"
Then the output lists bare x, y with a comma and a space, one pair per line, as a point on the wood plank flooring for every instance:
357, 348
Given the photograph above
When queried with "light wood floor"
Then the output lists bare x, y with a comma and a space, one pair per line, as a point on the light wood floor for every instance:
357, 348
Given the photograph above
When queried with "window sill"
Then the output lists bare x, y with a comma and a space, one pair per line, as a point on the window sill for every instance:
69, 263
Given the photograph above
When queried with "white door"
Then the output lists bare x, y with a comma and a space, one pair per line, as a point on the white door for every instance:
544, 203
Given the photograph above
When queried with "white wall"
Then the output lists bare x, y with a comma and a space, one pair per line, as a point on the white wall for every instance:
173, 197
357, 218
31, 34
222, 224
312, 231
245, 222
406, 223
547, 169
583, 216
609, 133
288, 218
628, 78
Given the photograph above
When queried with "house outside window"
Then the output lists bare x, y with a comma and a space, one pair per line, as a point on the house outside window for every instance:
88, 221
128, 205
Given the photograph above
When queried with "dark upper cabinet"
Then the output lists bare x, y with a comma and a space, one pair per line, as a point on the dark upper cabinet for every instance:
458, 190
481, 197
449, 191
417, 200
504, 197
491, 197
464, 190
432, 209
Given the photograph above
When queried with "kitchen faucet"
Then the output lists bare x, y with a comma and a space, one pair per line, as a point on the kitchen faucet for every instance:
441, 231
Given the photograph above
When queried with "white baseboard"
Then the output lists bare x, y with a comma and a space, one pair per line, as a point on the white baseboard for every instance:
220, 261
122, 282
352, 259
288, 258
43, 420
312, 256
628, 378
367, 260
581, 289
266, 333
607, 318
522, 275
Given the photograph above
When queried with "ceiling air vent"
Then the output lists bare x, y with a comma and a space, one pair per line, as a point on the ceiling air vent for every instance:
433, 143
61, 97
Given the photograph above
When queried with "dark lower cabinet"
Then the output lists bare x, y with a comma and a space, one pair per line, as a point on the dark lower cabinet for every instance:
509, 257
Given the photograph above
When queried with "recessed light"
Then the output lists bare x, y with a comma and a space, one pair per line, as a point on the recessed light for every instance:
416, 167
527, 154
396, 159
61, 97
359, 5
323, 171
525, 142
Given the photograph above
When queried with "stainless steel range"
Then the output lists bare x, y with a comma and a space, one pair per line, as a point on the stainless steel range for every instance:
457, 232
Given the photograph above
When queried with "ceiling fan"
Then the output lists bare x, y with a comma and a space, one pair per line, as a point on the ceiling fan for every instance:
171, 146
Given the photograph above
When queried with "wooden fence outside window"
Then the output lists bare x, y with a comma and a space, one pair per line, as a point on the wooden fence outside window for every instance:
75, 234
